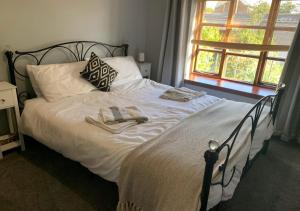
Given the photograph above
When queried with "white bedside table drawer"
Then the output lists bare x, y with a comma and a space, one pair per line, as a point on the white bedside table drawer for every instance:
6, 99
145, 69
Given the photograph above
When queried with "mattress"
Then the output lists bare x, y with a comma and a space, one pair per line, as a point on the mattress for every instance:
62, 127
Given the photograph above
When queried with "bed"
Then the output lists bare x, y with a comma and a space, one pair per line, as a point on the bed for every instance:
61, 125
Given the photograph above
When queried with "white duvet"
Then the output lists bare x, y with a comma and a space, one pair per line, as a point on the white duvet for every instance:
61, 125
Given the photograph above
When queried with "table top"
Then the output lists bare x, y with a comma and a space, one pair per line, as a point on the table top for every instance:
5, 86
144, 63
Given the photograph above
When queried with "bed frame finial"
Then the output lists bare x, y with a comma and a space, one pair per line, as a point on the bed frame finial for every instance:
279, 92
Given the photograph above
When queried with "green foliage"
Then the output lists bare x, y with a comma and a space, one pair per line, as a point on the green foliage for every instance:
209, 10
287, 7
208, 62
259, 11
272, 72
211, 33
249, 36
241, 68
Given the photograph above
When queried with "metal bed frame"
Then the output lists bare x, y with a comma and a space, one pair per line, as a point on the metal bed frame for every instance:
211, 156
79, 50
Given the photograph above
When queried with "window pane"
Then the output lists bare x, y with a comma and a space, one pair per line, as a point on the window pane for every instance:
278, 54
282, 38
252, 12
272, 72
289, 13
254, 53
240, 68
248, 36
208, 62
211, 33
216, 12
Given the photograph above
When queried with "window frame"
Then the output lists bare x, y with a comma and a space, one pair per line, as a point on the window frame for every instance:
265, 47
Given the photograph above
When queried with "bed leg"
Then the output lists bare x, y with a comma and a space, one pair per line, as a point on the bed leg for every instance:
211, 158
265, 147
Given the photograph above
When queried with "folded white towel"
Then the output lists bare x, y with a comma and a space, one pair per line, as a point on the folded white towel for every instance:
114, 114
117, 119
114, 128
182, 94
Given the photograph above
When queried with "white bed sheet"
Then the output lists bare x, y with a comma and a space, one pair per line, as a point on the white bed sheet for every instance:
61, 125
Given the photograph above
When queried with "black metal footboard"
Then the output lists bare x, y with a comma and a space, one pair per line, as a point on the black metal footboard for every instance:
212, 155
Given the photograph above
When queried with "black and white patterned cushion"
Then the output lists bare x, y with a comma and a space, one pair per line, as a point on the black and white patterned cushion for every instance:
99, 73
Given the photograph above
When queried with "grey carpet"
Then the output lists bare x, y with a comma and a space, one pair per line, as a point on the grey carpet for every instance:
40, 179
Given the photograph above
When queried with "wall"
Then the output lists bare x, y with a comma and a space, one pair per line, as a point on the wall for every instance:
154, 30
33, 24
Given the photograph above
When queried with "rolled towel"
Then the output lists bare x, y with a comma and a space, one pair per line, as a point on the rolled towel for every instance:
115, 128
182, 94
115, 115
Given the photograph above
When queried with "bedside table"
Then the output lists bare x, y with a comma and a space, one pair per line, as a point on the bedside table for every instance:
8, 100
145, 69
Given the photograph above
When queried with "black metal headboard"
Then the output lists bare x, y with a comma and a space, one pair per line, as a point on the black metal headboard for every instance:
61, 52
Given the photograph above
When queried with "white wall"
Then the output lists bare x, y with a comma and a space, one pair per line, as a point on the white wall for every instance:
34, 23
155, 23
31, 24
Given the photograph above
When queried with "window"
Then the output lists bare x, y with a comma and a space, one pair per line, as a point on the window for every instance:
243, 40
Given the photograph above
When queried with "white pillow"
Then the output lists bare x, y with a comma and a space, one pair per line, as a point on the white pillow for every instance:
126, 67
34, 84
57, 81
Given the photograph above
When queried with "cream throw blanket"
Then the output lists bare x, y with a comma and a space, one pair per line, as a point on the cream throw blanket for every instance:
167, 173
